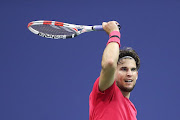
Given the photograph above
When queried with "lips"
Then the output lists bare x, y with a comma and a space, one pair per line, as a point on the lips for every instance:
128, 80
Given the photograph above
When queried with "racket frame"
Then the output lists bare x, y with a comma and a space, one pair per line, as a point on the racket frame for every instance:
78, 29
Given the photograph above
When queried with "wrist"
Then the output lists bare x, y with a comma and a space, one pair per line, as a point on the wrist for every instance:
114, 33
114, 36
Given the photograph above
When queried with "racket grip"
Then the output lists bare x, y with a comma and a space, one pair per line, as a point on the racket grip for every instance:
98, 28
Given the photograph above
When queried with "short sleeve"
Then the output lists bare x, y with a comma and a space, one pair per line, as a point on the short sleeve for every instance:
97, 95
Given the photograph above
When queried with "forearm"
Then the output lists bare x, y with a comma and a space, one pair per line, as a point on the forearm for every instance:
111, 52
110, 56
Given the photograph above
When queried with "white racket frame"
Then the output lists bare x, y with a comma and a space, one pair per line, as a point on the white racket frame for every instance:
78, 29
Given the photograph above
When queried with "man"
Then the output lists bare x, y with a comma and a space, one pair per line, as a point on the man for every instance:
109, 99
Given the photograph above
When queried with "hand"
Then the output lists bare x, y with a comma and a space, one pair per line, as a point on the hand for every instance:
110, 26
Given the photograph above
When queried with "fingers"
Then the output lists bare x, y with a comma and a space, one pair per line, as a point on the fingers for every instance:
110, 26
104, 24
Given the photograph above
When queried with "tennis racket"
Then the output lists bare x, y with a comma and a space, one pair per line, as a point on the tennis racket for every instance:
60, 30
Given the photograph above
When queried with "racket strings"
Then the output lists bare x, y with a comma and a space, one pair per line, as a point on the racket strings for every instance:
54, 30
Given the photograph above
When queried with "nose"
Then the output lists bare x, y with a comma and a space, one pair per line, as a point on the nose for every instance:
129, 73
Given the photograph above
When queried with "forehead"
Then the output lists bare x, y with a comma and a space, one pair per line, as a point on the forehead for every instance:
127, 62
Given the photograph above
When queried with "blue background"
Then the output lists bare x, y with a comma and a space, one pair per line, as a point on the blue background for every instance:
45, 79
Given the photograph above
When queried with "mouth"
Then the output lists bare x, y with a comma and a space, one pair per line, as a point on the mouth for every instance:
128, 81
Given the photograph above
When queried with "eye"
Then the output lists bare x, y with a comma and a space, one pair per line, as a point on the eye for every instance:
124, 69
133, 69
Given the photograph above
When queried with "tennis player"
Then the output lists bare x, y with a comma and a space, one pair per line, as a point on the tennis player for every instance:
109, 99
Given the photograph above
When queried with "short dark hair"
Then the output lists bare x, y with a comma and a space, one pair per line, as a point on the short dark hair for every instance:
128, 51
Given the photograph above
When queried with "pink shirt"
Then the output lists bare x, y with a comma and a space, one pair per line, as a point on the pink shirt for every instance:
110, 104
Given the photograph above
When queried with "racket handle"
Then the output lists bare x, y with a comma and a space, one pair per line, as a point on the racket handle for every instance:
98, 28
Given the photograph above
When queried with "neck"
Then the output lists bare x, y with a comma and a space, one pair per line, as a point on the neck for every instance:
126, 94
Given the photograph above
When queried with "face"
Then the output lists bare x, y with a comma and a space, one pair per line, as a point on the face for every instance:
126, 74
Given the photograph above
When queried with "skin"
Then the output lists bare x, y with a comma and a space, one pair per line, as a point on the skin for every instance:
112, 71
126, 70
109, 58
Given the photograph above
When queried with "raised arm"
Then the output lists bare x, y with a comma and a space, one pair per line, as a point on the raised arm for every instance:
109, 58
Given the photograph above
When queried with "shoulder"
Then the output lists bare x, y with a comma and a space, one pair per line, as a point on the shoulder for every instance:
97, 93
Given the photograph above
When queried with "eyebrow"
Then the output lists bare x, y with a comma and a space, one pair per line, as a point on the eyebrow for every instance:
119, 62
130, 68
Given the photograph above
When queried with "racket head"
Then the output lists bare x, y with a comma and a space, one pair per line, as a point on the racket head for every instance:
53, 29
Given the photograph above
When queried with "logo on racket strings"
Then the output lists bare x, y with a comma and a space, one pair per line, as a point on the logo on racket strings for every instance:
52, 36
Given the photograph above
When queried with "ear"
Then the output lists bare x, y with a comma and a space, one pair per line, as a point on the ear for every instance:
137, 75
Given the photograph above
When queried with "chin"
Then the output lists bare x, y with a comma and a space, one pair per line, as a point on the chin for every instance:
127, 89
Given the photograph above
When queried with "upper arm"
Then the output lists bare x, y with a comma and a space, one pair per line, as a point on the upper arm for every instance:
106, 79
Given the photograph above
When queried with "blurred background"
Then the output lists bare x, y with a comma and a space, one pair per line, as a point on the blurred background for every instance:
46, 79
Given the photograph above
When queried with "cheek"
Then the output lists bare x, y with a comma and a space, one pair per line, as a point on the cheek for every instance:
118, 76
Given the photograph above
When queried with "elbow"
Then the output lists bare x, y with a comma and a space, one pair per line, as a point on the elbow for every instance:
109, 64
